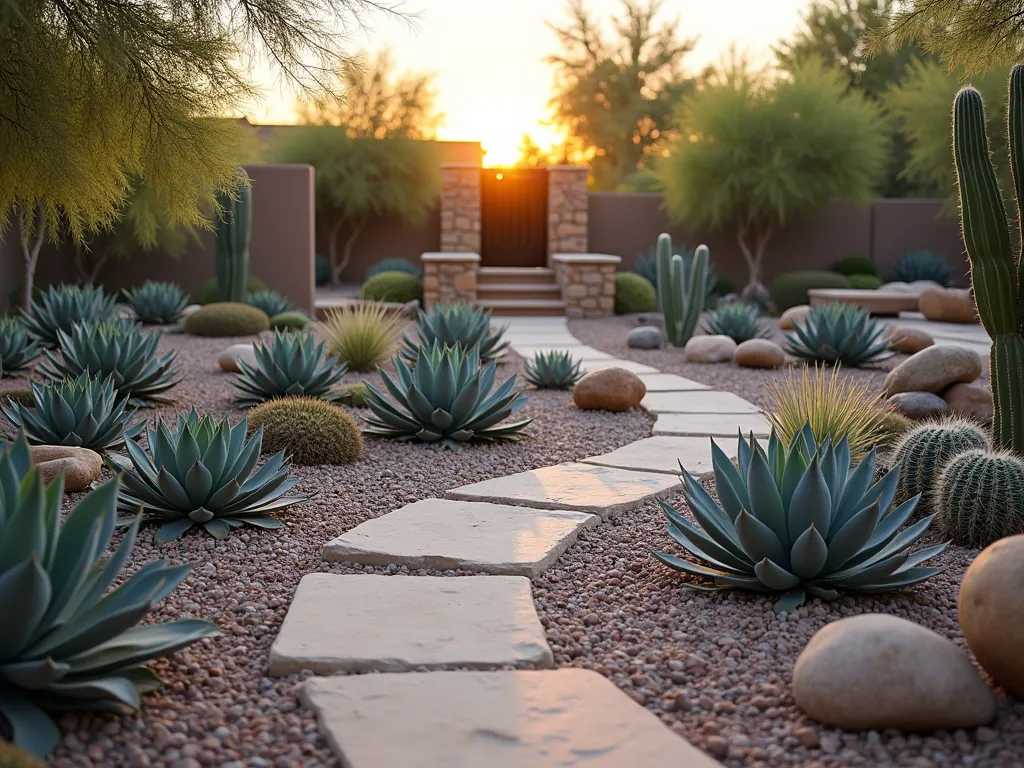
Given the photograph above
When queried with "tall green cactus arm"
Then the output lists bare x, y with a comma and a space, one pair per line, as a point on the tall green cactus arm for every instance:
234, 229
681, 290
1015, 116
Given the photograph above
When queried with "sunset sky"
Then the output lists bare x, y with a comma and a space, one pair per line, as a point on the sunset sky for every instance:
488, 57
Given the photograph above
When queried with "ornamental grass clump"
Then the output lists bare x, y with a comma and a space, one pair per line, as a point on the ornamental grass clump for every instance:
290, 365
798, 521
308, 430
839, 333
457, 325
157, 303
60, 308
17, 349
70, 640
445, 398
363, 335
552, 370
202, 472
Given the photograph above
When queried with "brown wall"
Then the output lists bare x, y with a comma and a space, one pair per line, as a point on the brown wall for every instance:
383, 239
918, 225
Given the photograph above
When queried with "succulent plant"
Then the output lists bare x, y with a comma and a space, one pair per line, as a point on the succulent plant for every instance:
740, 322
17, 348
119, 350
308, 430
227, 318
922, 265
926, 449
157, 303
270, 302
646, 265
85, 412
798, 520
233, 227
289, 321
839, 333
362, 335
457, 324
393, 265
291, 364
70, 640
979, 497
552, 370
353, 395
447, 399
59, 308
682, 289
203, 473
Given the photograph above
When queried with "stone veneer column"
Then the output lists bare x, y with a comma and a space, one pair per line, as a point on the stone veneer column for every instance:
587, 281
568, 206
460, 208
449, 278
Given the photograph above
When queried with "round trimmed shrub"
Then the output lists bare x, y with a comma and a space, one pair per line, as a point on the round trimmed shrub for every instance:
633, 293
865, 282
397, 287
855, 264
310, 430
790, 289
227, 318
289, 321
208, 293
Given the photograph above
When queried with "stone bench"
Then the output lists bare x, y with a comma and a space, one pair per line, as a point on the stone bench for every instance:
875, 302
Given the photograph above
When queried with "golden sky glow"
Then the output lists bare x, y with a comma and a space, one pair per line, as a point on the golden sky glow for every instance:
488, 56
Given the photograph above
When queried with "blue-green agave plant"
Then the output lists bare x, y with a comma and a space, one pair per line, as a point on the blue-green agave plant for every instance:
157, 303
292, 364
798, 520
271, 302
59, 308
70, 640
17, 349
456, 325
839, 333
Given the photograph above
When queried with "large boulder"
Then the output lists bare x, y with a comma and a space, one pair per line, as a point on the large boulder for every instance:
759, 353
948, 305
228, 359
991, 605
79, 466
971, 400
909, 340
877, 671
794, 315
646, 337
609, 389
933, 369
918, 405
709, 349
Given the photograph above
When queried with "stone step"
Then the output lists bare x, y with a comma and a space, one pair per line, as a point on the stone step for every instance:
492, 275
697, 402
519, 291
665, 453
564, 718
629, 365
366, 622
669, 382
578, 351
712, 425
444, 534
524, 307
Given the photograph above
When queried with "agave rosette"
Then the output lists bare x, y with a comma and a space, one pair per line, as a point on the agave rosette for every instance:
737, 320
59, 308
457, 325
17, 348
839, 333
798, 520
291, 365
555, 369
157, 303
270, 302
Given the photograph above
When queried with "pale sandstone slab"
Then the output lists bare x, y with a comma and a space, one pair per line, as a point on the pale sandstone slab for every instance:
669, 382
664, 453
578, 351
595, 365
365, 622
445, 534
565, 718
712, 424
697, 402
603, 491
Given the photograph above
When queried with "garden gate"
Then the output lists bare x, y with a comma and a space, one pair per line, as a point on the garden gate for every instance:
514, 217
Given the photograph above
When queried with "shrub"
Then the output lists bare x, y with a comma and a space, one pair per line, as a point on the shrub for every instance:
208, 292
362, 335
309, 431
925, 450
323, 270
17, 348
271, 302
979, 497
58, 309
723, 285
457, 325
203, 472
157, 303
353, 395
866, 282
393, 265
790, 289
71, 640
839, 333
834, 406
633, 294
552, 370
740, 322
289, 320
227, 319
291, 364
922, 265
855, 264
397, 287
790, 521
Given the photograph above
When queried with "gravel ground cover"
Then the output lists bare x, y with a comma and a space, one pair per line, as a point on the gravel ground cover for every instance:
218, 707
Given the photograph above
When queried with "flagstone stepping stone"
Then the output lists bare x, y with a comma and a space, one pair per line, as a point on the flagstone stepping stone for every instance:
664, 453
696, 402
364, 622
712, 424
564, 718
446, 534
542, 340
595, 365
603, 491
578, 351
669, 382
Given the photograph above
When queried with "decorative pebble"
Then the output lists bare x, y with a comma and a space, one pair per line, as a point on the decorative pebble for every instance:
79, 466
646, 337
794, 315
933, 369
609, 389
971, 400
919, 405
709, 349
908, 340
228, 359
759, 353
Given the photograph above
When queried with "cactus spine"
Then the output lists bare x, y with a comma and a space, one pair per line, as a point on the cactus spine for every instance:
681, 290
233, 230
980, 498
925, 450
995, 269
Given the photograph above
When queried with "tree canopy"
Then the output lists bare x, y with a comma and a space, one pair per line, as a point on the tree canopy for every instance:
753, 152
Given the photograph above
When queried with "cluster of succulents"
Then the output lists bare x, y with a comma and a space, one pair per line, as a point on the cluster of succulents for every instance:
60, 308
925, 450
457, 325
839, 333
289, 365
362, 335
737, 320
552, 370
271, 303
310, 431
922, 265
157, 303
17, 349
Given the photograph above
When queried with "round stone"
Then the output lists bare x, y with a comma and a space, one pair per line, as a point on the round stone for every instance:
709, 349
645, 337
794, 315
990, 607
609, 389
908, 340
948, 305
79, 466
919, 405
759, 353
971, 400
188, 310
933, 369
877, 671
228, 359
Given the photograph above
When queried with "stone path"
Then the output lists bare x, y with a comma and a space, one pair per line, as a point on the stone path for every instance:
514, 713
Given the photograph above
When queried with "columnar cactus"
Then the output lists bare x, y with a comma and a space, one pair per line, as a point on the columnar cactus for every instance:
980, 498
681, 289
925, 450
233, 229
995, 268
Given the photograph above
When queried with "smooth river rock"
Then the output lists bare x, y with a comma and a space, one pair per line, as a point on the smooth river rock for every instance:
877, 671
971, 400
709, 349
933, 369
794, 315
948, 305
645, 337
908, 340
919, 405
609, 389
79, 466
991, 607
759, 353
228, 359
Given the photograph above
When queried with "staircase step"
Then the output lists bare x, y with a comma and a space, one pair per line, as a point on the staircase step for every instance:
490, 275
533, 291
522, 307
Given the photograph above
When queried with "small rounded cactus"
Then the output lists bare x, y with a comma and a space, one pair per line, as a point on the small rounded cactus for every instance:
309, 430
980, 498
924, 451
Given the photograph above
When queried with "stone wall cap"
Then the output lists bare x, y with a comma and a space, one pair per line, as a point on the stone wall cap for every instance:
586, 258
569, 168
451, 256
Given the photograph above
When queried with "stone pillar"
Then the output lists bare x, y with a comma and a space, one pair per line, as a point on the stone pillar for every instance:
587, 281
449, 278
568, 205
460, 208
